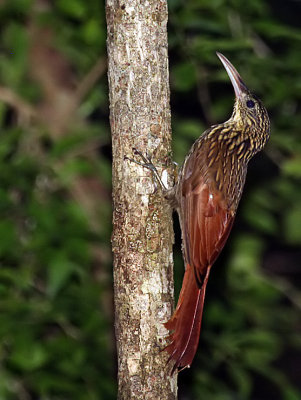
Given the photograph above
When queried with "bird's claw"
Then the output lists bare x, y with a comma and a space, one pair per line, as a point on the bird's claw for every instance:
146, 158
147, 161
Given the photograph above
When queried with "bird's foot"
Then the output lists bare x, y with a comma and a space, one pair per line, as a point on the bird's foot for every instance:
147, 163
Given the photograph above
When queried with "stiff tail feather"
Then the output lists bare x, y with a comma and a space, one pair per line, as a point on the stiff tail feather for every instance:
185, 323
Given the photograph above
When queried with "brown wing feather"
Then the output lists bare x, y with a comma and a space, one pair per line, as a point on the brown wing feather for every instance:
206, 224
206, 221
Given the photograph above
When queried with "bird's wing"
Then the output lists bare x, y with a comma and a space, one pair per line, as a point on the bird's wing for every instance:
206, 221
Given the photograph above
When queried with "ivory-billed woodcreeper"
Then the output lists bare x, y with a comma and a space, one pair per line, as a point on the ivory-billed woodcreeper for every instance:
206, 196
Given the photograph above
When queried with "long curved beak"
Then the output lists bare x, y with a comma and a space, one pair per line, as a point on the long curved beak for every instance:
238, 84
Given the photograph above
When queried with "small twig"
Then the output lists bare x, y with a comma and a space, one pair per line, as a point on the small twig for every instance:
235, 24
90, 79
261, 49
11, 98
85, 149
83, 88
26, 110
284, 287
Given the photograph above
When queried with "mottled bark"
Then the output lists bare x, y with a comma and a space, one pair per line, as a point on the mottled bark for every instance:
142, 226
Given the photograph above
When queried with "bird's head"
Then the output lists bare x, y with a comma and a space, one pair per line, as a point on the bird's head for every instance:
249, 114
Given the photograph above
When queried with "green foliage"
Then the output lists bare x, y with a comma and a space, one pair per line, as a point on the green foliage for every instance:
55, 313
53, 329
56, 317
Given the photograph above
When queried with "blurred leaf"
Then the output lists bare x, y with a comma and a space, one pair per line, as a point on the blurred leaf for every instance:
277, 30
59, 271
293, 167
292, 224
261, 347
184, 76
72, 8
16, 44
247, 252
261, 219
242, 380
28, 356
291, 394
92, 31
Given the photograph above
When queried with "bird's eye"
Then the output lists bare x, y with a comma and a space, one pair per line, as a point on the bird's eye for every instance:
250, 104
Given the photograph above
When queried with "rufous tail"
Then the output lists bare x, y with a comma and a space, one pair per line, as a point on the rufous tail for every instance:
185, 323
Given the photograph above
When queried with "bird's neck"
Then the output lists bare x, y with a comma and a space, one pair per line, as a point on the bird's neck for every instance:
239, 138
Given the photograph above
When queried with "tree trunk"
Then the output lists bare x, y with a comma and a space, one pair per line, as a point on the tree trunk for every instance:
142, 224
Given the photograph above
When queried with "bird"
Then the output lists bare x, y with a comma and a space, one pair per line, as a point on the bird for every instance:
206, 195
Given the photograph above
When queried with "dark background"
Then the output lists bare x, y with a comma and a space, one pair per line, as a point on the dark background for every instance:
56, 314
